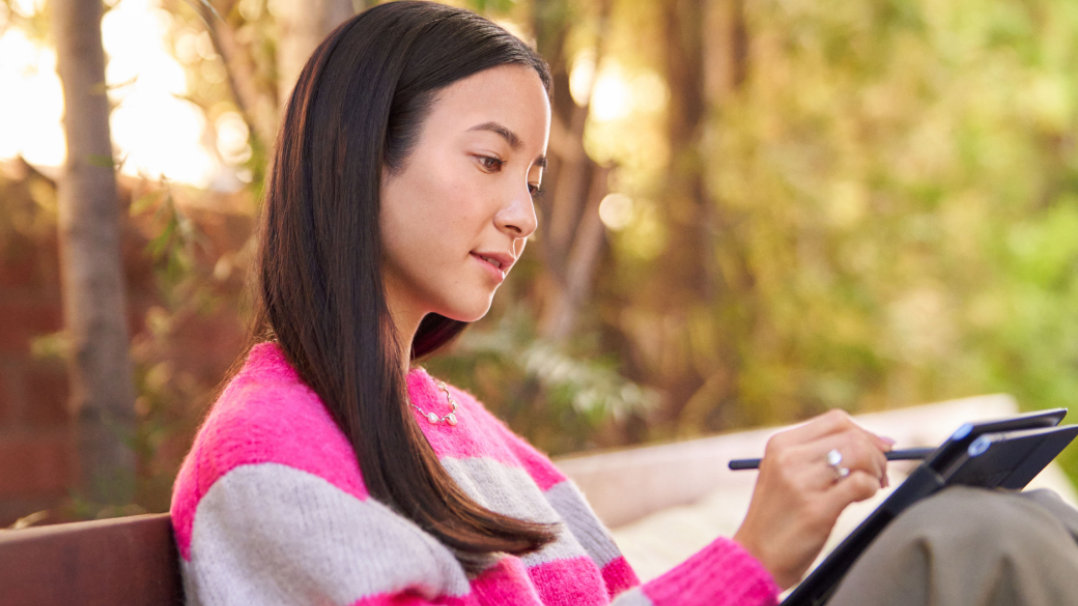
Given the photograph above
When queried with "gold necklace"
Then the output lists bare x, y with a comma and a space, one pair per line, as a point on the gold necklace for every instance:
433, 418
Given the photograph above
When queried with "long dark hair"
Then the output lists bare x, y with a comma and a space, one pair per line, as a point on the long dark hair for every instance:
358, 106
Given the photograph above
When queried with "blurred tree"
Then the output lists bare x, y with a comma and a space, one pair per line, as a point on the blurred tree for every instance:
884, 160
239, 35
300, 27
859, 205
707, 63
574, 184
685, 277
102, 393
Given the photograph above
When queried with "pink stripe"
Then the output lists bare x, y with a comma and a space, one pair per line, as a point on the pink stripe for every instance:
573, 582
538, 466
721, 573
245, 427
184, 501
411, 599
505, 583
619, 576
478, 434
475, 435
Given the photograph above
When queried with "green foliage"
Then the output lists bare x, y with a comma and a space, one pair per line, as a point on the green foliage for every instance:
559, 399
175, 235
906, 183
491, 7
897, 213
890, 200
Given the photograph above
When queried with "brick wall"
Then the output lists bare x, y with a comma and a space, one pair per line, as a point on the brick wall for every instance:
37, 457
35, 449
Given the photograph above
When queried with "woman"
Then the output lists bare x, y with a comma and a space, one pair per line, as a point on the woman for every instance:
334, 470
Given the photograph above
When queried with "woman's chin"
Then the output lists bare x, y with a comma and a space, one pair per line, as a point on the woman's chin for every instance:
467, 315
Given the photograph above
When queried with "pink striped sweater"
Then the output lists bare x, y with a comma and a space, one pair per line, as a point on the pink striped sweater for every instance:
270, 508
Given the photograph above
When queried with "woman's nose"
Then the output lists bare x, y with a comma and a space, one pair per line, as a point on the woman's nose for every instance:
517, 217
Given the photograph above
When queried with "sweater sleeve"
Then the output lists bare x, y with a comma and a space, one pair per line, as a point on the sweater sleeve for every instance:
269, 507
720, 574
272, 534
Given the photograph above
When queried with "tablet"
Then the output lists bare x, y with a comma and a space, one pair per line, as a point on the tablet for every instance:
1003, 453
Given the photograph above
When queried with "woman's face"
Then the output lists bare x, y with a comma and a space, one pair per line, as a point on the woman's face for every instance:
456, 215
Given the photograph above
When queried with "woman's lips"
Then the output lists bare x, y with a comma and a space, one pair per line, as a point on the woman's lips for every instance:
499, 263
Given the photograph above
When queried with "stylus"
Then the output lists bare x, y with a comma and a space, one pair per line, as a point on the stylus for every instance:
901, 454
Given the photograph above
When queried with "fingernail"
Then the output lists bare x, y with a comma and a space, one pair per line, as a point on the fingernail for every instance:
890, 442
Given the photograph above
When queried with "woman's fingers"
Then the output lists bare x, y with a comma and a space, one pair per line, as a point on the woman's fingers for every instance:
822, 426
821, 460
816, 428
808, 475
859, 486
855, 453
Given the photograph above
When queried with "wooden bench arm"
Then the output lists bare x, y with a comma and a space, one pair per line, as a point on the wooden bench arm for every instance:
129, 560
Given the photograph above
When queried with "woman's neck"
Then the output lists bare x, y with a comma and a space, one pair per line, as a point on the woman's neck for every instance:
405, 327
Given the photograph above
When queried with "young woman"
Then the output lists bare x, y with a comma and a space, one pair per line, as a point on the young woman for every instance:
332, 469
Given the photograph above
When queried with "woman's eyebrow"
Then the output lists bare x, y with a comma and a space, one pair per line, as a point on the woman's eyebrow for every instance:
510, 137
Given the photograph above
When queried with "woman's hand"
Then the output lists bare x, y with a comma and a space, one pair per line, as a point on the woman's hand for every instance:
799, 495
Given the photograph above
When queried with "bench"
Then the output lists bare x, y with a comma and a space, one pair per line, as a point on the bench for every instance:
686, 497
129, 560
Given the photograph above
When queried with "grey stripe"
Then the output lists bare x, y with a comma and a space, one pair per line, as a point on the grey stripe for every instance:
571, 505
509, 490
633, 597
271, 534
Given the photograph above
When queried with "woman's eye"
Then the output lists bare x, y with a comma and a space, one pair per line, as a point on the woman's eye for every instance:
535, 191
490, 163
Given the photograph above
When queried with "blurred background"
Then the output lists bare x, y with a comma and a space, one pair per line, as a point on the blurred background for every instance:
755, 211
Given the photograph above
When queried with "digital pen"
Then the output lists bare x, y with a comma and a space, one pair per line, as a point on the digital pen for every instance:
901, 454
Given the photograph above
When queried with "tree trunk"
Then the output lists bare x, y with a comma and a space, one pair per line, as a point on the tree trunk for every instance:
300, 27
703, 72
688, 206
683, 279
255, 98
572, 241
102, 394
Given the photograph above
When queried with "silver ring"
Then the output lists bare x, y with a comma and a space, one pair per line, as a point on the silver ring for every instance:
834, 461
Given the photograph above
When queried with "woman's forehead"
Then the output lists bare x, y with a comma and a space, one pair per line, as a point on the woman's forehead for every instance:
508, 101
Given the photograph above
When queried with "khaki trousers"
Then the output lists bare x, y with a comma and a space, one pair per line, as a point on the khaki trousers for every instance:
971, 547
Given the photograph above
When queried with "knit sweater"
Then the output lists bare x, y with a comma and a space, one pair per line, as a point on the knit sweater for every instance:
270, 508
